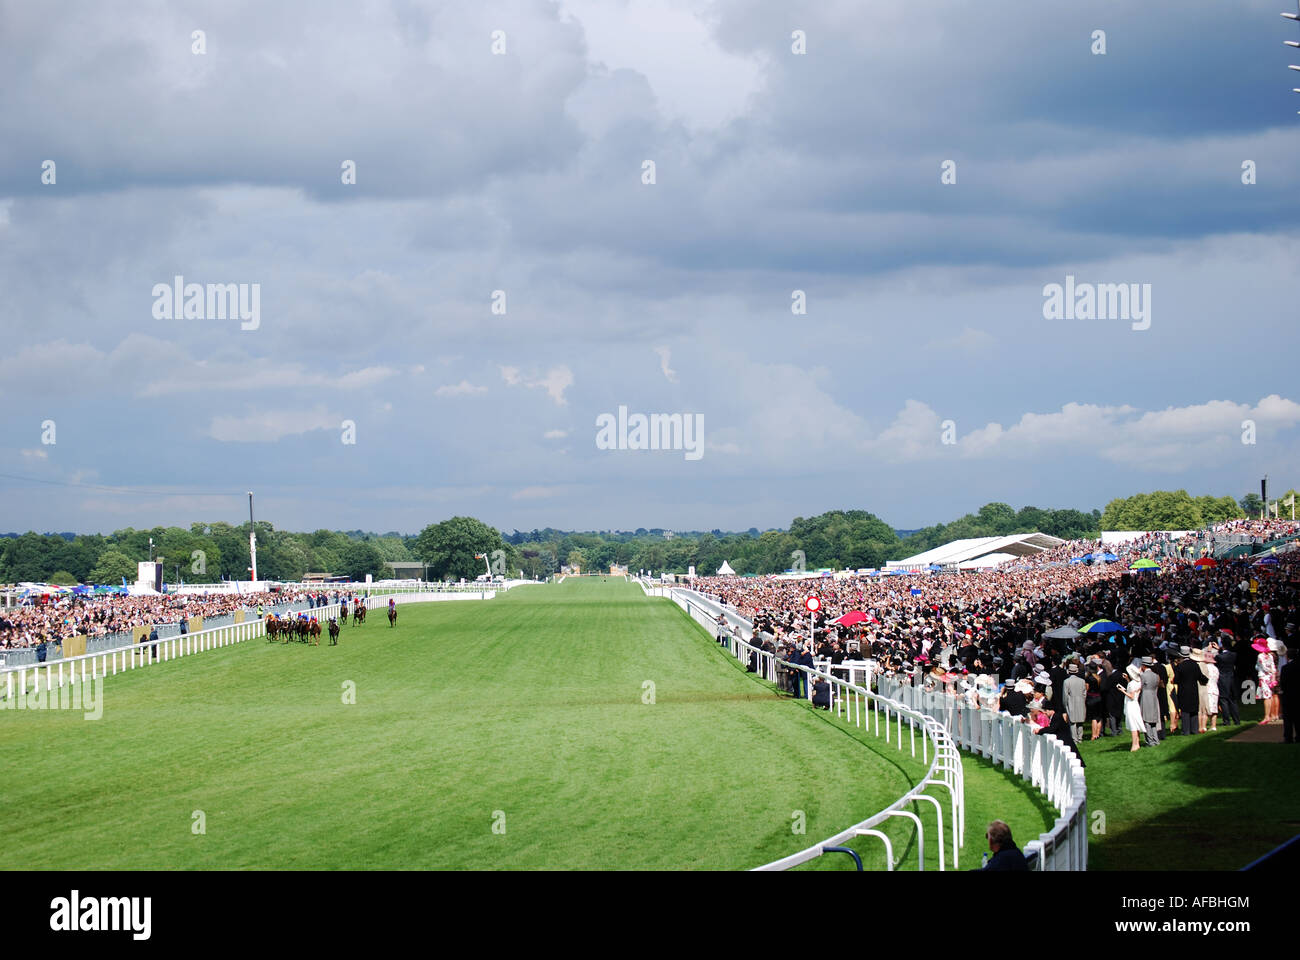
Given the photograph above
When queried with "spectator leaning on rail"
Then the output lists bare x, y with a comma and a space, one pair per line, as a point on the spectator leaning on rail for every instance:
1006, 855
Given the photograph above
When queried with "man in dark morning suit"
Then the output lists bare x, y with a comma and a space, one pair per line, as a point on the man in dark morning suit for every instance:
1188, 678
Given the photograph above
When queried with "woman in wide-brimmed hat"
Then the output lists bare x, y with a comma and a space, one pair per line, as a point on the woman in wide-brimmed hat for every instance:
1132, 706
1265, 678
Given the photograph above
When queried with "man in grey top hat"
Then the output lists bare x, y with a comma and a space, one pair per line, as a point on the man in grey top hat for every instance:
1075, 693
1149, 699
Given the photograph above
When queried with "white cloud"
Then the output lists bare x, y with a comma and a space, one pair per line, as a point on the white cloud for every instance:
555, 434
35, 454
537, 493
665, 358
270, 425
462, 389
555, 381
1170, 440
968, 340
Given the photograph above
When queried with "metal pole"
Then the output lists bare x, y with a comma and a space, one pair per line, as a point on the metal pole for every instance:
252, 539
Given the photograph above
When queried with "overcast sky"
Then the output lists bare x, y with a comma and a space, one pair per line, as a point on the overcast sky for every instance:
523, 171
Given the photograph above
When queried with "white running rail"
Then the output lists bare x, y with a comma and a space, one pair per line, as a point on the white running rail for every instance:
1041, 759
866, 710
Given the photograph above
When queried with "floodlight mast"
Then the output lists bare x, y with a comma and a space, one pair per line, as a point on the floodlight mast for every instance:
252, 538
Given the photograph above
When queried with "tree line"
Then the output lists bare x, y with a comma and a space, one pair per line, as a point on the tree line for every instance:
464, 547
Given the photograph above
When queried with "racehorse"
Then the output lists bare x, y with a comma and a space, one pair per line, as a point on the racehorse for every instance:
334, 632
392, 616
359, 615
314, 632
272, 628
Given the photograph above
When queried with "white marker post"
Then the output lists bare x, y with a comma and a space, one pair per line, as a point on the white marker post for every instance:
813, 604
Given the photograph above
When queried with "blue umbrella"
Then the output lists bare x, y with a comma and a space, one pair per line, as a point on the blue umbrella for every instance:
1108, 557
1102, 626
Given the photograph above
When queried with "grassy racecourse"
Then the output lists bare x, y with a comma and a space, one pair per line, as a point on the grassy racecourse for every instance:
526, 710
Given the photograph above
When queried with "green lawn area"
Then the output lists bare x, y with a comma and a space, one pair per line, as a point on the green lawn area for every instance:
526, 710
1192, 803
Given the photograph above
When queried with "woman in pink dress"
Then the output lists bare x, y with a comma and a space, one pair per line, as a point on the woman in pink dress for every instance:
1265, 679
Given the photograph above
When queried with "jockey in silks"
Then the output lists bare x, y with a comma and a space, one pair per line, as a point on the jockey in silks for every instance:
392, 602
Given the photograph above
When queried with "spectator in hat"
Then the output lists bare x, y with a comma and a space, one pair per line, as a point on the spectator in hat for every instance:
1266, 678
1096, 703
1210, 719
1226, 661
1188, 680
1132, 707
1149, 700
1075, 697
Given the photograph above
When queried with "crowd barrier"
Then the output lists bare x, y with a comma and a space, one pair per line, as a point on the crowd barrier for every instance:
1041, 759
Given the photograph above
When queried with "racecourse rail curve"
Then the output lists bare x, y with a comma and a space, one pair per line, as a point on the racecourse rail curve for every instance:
27, 677
948, 722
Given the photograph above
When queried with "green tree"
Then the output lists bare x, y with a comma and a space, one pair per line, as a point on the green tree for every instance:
62, 578
359, 558
449, 547
111, 567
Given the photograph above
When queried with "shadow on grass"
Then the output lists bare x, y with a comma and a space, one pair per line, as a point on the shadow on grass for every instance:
1193, 803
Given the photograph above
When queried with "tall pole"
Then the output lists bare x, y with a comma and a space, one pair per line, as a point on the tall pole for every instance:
252, 537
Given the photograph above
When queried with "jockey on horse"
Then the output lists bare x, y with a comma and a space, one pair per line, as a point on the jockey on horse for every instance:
392, 611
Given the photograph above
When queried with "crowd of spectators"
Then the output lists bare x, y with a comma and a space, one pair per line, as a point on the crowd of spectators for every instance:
35, 622
1195, 639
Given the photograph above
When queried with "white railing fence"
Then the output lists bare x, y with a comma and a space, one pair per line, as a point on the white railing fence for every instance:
1043, 760
869, 711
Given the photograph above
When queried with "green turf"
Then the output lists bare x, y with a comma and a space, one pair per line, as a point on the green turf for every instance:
529, 704
1192, 803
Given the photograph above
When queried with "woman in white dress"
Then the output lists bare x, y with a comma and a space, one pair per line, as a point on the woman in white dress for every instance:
1211, 670
1132, 708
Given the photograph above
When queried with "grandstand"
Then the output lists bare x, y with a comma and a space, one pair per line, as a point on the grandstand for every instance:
978, 553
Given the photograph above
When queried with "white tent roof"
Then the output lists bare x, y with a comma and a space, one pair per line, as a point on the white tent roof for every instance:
725, 570
962, 551
985, 562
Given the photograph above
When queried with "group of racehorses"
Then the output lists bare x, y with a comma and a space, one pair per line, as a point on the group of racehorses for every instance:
304, 630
